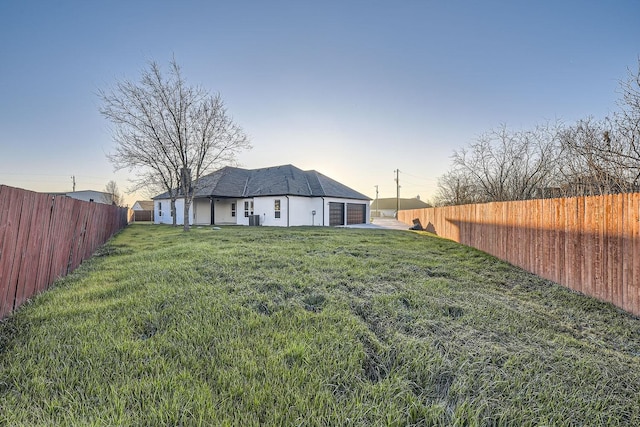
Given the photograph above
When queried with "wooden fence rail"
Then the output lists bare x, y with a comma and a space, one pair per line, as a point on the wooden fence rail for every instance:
44, 237
588, 244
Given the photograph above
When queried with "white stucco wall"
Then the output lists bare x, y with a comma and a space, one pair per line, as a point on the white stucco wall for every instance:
298, 211
294, 211
163, 216
201, 212
241, 219
367, 217
301, 211
222, 211
161, 211
264, 206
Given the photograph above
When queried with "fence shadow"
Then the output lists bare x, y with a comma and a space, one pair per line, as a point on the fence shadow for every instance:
588, 244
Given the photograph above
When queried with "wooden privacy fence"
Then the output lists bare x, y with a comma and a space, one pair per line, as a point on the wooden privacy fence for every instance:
43, 237
588, 244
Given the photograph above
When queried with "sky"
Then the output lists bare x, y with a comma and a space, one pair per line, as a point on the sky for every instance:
353, 89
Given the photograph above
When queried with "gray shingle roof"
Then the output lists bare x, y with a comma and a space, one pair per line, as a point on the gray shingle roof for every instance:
390, 203
146, 205
273, 181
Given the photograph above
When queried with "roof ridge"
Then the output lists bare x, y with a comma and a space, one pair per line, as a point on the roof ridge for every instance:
244, 190
319, 181
306, 178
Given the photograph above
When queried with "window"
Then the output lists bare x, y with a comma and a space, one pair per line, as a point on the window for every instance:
276, 207
233, 209
248, 208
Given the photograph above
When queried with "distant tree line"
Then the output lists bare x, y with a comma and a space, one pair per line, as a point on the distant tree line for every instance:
590, 157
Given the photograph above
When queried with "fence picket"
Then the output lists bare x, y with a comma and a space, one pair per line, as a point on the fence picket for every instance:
9, 228
43, 238
632, 294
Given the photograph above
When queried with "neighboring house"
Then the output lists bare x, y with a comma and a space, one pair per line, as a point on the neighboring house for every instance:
276, 196
88, 196
143, 210
387, 207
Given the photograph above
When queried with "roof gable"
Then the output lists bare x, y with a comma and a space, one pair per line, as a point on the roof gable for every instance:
145, 205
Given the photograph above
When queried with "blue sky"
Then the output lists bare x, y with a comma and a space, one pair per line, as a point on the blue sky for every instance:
353, 89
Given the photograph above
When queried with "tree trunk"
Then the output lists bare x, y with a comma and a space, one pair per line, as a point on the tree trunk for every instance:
186, 215
173, 212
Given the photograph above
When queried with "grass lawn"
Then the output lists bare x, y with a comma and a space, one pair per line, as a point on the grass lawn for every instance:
313, 326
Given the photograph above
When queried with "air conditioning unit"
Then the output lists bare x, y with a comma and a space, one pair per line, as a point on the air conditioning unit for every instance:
254, 220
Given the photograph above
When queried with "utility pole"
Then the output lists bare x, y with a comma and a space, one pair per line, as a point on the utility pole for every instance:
376, 199
73, 179
397, 171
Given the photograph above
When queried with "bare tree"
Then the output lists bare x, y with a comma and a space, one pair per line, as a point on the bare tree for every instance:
504, 165
456, 188
606, 153
589, 158
113, 194
592, 164
628, 120
170, 133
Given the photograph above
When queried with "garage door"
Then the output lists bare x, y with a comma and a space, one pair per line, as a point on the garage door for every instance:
356, 213
336, 214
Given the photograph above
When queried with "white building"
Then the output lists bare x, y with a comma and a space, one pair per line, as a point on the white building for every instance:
277, 196
143, 210
88, 196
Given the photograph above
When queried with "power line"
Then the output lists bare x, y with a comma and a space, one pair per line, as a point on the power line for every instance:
420, 177
415, 183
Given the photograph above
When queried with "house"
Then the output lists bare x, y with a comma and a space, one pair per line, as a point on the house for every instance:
143, 210
387, 207
274, 196
88, 196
